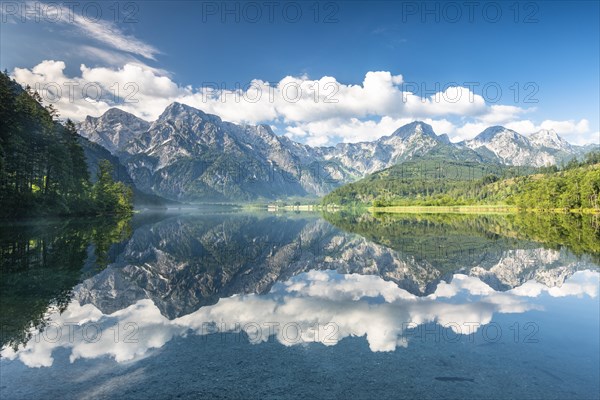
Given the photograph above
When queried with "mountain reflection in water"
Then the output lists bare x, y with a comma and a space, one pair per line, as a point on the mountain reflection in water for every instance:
300, 278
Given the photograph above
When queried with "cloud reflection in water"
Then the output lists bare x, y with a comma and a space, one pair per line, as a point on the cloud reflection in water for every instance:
316, 306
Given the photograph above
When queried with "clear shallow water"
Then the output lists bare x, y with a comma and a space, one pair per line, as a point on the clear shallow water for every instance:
237, 305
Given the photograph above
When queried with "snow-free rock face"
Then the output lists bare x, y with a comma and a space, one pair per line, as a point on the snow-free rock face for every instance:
189, 155
409, 141
550, 140
114, 129
509, 146
540, 149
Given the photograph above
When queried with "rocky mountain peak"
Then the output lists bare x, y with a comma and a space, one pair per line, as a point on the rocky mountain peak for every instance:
415, 128
444, 138
549, 138
494, 132
189, 154
114, 129
177, 110
117, 113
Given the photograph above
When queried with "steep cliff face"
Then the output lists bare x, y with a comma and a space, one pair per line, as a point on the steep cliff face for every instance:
189, 155
540, 149
114, 129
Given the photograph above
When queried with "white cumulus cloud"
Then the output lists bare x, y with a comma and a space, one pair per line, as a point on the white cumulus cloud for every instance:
320, 111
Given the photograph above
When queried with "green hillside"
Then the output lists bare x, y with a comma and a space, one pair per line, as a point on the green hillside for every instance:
437, 182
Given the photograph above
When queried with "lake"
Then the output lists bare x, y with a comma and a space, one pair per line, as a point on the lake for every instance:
240, 304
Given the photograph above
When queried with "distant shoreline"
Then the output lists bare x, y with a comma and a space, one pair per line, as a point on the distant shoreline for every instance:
474, 209
459, 209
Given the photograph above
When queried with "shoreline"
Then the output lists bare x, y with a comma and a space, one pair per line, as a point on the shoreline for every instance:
474, 209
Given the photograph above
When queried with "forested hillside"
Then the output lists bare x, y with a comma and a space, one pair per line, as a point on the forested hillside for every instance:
574, 186
43, 169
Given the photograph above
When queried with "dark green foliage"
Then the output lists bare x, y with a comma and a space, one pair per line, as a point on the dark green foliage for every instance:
427, 181
43, 168
108, 195
41, 262
95, 154
451, 183
578, 187
590, 158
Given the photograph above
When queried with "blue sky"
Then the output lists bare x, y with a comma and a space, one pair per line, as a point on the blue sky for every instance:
170, 50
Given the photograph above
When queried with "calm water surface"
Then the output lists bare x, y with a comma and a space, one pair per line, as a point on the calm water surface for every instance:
299, 305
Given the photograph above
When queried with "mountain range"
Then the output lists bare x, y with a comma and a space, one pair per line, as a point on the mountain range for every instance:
189, 155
